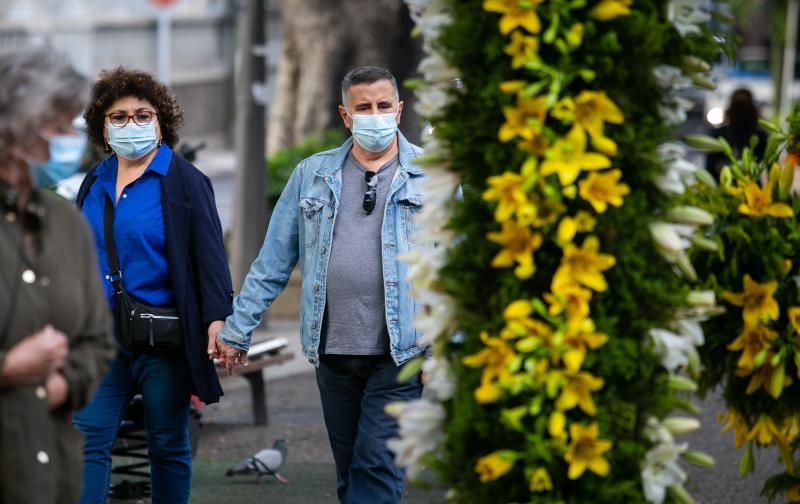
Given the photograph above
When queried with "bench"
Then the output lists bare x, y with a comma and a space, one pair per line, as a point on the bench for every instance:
260, 355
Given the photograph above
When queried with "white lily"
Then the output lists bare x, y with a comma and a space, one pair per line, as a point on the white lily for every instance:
439, 378
661, 470
673, 348
434, 68
671, 77
686, 15
672, 241
421, 426
673, 109
431, 100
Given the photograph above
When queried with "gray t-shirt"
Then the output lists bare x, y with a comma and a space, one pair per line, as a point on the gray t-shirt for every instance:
355, 314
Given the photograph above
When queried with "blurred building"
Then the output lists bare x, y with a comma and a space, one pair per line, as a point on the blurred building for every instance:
99, 34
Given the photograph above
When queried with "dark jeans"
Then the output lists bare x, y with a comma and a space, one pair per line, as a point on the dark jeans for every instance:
354, 391
165, 385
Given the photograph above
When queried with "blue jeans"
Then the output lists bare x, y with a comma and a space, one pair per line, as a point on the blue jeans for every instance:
165, 385
354, 390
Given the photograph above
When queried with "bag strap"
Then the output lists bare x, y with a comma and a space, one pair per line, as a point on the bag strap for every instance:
111, 246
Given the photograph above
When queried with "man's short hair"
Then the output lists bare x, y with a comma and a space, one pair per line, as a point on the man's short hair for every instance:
367, 75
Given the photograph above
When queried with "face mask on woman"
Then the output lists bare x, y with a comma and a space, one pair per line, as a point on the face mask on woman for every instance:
132, 141
66, 152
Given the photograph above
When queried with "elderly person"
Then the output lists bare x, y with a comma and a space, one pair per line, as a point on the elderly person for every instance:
160, 248
55, 328
346, 214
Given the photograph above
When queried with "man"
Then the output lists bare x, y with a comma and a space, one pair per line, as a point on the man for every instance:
346, 214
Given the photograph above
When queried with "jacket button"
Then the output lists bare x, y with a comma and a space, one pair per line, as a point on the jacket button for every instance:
41, 392
323, 250
330, 215
42, 457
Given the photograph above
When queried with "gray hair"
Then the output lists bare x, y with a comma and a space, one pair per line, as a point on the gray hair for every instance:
367, 75
36, 86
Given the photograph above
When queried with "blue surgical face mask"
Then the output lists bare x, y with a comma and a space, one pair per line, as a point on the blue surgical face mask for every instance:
66, 152
132, 141
374, 132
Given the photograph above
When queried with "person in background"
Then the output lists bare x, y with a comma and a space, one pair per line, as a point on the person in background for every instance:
346, 215
739, 127
55, 327
168, 243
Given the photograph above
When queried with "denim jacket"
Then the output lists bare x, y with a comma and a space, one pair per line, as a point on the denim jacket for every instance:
301, 228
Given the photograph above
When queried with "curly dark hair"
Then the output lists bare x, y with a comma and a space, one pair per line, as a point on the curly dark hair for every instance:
122, 82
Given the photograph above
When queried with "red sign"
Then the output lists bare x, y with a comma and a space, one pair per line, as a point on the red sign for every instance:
164, 3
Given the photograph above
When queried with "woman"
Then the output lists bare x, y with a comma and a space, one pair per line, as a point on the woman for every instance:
169, 250
741, 125
55, 329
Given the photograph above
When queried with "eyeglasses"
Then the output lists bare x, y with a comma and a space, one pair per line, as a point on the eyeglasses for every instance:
141, 117
370, 195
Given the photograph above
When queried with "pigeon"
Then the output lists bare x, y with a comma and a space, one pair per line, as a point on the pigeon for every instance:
265, 462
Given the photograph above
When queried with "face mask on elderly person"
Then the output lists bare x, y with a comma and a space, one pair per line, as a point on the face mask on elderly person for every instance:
132, 141
66, 152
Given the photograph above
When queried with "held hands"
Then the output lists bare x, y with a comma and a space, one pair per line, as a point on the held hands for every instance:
226, 356
35, 358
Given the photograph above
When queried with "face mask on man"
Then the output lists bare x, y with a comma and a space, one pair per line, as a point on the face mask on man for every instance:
374, 132
66, 152
132, 141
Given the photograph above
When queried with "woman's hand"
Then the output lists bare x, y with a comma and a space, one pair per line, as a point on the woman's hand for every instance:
57, 390
35, 358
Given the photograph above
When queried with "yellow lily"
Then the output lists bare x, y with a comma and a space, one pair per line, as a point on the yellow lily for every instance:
603, 189
540, 481
590, 110
758, 202
514, 15
506, 190
738, 424
578, 392
519, 323
607, 10
765, 432
519, 245
522, 49
494, 358
757, 300
772, 378
794, 318
580, 335
525, 120
585, 265
494, 465
586, 451
568, 156
752, 341
568, 296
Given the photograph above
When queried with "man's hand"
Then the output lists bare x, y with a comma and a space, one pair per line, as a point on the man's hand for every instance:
35, 358
57, 390
229, 356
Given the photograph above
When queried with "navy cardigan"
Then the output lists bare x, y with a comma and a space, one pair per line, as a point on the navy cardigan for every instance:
197, 263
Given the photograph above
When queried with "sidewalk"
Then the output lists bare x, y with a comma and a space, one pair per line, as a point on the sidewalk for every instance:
295, 414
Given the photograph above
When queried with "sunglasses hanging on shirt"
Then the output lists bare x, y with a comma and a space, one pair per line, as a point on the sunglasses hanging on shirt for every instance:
370, 196
31, 216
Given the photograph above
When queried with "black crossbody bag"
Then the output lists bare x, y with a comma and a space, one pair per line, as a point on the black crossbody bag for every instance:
142, 327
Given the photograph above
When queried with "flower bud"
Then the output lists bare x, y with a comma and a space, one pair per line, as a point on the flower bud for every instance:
690, 215
699, 459
681, 425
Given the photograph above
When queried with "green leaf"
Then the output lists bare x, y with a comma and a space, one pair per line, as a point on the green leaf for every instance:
411, 369
704, 143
